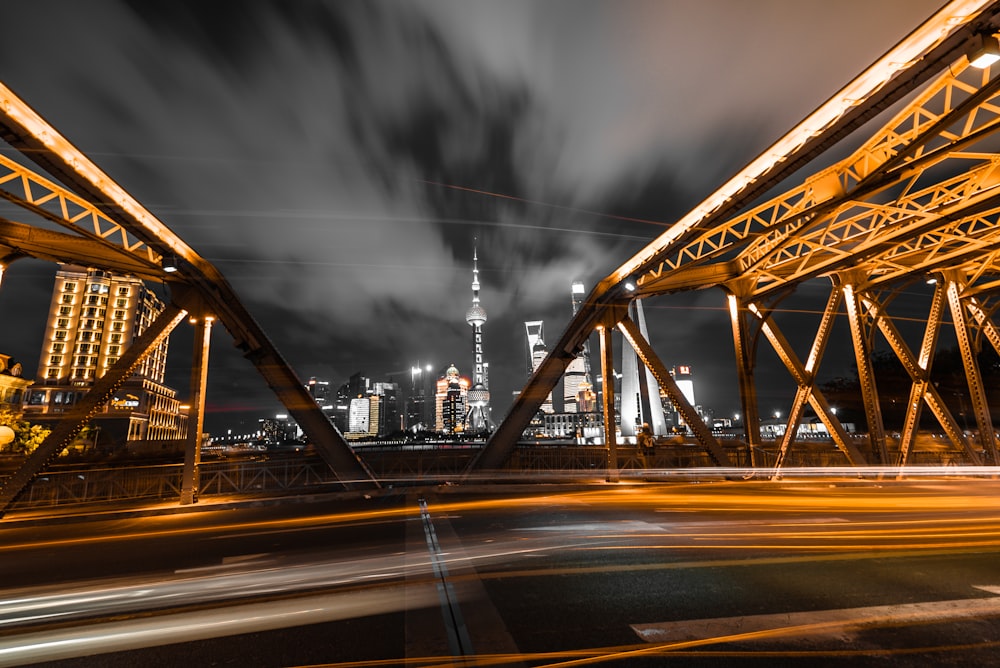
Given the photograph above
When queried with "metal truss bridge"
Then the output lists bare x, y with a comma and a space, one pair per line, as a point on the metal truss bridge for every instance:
917, 197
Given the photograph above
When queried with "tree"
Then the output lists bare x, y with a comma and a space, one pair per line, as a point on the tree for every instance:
27, 436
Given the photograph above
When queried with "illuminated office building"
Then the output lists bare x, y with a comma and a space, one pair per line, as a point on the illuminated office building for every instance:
578, 370
450, 402
94, 316
536, 353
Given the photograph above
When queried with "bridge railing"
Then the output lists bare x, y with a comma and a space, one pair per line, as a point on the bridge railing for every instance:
299, 474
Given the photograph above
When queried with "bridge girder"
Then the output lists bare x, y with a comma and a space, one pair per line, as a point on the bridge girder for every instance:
920, 195
116, 230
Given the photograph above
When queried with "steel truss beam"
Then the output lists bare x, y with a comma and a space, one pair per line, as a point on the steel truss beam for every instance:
608, 400
694, 422
117, 220
805, 379
866, 376
939, 43
710, 247
76, 418
738, 316
977, 392
919, 372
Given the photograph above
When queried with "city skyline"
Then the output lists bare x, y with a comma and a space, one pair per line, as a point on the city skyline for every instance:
337, 161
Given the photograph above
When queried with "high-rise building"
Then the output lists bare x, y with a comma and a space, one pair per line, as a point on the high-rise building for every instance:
450, 402
477, 421
94, 316
578, 370
537, 351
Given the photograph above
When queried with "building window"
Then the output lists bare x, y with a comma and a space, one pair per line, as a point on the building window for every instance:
55, 359
58, 347
123, 292
52, 374
114, 350
119, 315
116, 338
67, 299
60, 336
117, 326
62, 323
65, 310
69, 287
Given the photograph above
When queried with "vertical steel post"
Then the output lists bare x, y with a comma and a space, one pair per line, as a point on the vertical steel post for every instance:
866, 375
608, 400
196, 414
931, 396
744, 374
977, 394
921, 375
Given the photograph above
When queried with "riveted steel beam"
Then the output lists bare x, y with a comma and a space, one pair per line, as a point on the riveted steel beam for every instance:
803, 377
869, 391
977, 393
608, 400
739, 317
694, 422
920, 373
930, 395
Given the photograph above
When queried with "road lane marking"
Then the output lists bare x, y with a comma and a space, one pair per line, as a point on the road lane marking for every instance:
459, 641
835, 623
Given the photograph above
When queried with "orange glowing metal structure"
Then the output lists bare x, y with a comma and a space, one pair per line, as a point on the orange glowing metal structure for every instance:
113, 231
918, 197
921, 196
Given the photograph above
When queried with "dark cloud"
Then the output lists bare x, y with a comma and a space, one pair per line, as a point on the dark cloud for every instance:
337, 159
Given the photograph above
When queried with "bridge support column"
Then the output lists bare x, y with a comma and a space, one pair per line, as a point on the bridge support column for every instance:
866, 376
608, 400
744, 374
977, 393
930, 394
196, 414
804, 378
921, 375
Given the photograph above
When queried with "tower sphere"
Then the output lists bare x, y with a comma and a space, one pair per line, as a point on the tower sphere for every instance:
475, 316
479, 396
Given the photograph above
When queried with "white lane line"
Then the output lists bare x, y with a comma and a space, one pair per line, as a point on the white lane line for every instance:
820, 622
459, 641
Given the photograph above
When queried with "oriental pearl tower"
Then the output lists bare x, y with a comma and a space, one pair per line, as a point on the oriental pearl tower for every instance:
477, 421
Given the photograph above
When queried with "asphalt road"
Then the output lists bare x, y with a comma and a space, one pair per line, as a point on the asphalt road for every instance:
810, 573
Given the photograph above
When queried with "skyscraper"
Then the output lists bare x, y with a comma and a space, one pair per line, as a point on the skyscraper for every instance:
578, 370
94, 316
536, 353
450, 402
477, 421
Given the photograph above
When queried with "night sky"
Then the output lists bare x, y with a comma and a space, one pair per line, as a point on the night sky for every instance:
336, 160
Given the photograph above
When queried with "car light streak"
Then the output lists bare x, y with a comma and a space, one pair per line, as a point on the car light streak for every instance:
17, 650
